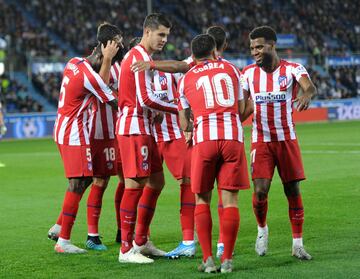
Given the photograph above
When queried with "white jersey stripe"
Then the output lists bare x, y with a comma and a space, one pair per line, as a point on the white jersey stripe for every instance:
62, 130
228, 132
240, 129
199, 130
74, 133
122, 120
110, 121
213, 126
134, 123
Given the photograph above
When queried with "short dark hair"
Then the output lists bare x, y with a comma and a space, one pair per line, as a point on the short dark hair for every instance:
107, 32
134, 41
265, 32
153, 21
219, 34
202, 45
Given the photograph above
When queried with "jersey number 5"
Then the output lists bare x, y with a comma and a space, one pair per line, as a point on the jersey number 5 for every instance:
62, 91
204, 83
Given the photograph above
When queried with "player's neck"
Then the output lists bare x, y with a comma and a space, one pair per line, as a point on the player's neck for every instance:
93, 60
272, 67
147, 47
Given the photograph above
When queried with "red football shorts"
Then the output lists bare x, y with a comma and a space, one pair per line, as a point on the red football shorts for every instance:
104, 157
223, 160
140, 155
285, 155
177, 156
77, 160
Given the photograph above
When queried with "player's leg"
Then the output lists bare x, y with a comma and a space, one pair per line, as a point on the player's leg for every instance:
94, 204
260, 208
203, 172
177, 156
296, 216
220, 242
232, 177
118, 197
137, 153
203, 222
146, 211
262, 171
230, 227
291, 171
73, 195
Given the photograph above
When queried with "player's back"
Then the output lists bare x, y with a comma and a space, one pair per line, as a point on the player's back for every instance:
213, 90
80, 83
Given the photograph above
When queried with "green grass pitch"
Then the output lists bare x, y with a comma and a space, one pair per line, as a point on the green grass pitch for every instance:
32, 186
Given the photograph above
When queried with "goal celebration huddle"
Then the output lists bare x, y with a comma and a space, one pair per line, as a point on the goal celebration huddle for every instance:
123, 114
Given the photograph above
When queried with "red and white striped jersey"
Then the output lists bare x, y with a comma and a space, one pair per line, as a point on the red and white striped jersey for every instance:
79, 84
136, 97
212, 89
273, 95
165, 89
103, 116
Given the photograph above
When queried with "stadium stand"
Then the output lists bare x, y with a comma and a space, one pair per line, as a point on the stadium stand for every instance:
332, 28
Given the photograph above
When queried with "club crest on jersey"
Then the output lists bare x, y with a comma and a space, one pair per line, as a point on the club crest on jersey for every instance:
145, 166
163, 80
109, 165
282, 81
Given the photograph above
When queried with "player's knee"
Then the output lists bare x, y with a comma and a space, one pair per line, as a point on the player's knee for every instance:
79, 185
292, 189
101, 181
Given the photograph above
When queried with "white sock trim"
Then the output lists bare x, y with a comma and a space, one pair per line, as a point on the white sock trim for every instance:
93, 234
298, 242
63, 241
263, 230
188, 242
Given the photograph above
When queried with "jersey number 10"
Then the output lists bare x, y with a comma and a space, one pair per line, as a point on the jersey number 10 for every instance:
218, 96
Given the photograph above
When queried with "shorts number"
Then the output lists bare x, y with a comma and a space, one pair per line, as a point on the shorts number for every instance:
109, 154
144, 152
252, 156
88, 154
62, 91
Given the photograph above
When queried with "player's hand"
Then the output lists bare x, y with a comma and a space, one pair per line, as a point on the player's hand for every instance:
158, 118
303, 102
3, 130
110, 50
140, 66
188, 137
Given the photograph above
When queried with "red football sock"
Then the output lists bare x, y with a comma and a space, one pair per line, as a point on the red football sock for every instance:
128, 209
187, 209
69, 211
94, 203
296, 215
59, 219
146, 208
230, 223
260, 210
220, 214
118, 197
203, 224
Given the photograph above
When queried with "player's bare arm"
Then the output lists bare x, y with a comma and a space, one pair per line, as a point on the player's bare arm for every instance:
309, 90
185, 123
248, 107
108, 52
168, 66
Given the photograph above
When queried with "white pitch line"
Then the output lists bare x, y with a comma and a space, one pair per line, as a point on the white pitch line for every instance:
330, 152
329, 144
